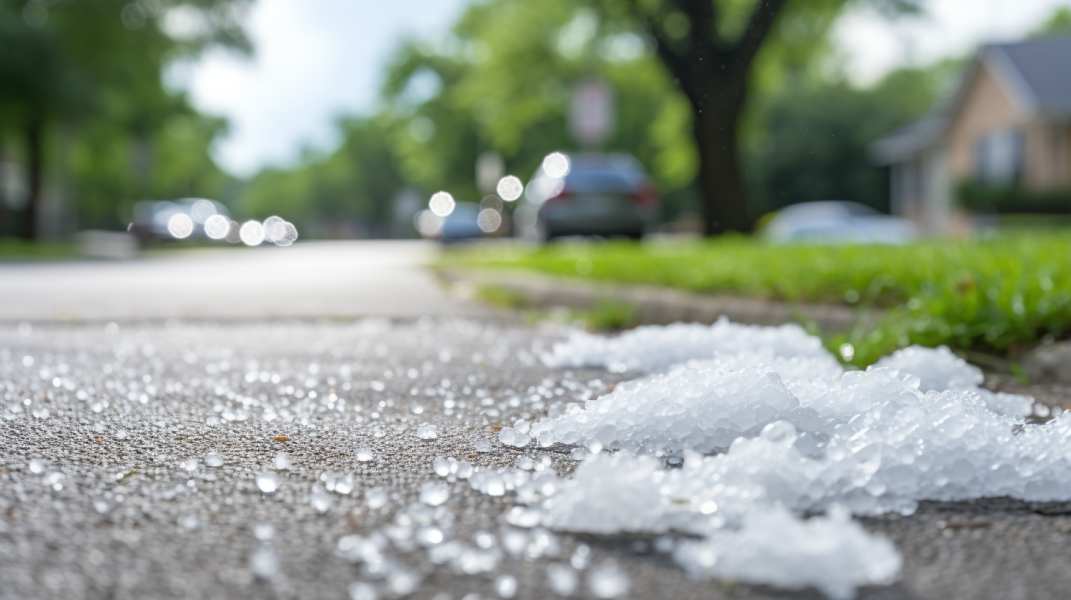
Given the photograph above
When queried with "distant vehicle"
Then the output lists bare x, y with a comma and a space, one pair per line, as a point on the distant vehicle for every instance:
835, 222
600, 194
461, 224
151, 217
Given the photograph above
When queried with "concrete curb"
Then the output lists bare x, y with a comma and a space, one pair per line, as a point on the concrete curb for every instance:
656, 305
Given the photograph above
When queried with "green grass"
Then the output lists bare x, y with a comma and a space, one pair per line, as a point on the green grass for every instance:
13, 249
996, 296
607, 314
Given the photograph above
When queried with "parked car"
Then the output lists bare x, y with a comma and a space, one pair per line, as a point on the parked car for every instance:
835, 222
151, 217
600, 194
461, 223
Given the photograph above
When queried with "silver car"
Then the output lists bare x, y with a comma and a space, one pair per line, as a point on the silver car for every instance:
835, 222
599, 194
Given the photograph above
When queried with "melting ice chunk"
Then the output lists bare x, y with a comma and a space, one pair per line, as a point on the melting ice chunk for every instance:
511, 437
833, 554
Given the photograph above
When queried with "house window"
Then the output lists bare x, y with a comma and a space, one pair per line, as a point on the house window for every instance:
998, 156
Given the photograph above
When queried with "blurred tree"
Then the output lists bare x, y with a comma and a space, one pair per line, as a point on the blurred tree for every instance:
710, 47
1059, 23
91, 63
503, 81
809, 141
356, 181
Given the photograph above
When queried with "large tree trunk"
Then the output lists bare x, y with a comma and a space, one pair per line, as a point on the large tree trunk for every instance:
3, 191
35, 161
720, 179
713, 73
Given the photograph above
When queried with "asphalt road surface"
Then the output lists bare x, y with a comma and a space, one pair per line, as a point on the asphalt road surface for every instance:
317, 279
110, 433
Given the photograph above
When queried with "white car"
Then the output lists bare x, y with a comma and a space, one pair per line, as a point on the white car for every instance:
834, 222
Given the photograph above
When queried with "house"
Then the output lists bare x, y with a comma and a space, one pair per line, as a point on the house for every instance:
1008, 127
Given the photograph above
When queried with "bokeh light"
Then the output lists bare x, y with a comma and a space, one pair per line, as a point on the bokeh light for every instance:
442, 204
180, 226
289, 235
252, 233
556, 165
489, 220
233, 232
510, 188
428, 224
202, 210
274, 229
493, 202
217, 227
543, 188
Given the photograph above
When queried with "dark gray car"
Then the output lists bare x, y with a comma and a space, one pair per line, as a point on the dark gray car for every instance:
600, 194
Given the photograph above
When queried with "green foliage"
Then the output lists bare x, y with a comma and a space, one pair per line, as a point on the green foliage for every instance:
502, 82
809, 141
358, 180
1059, 23
91, 74
506, 78
1012, 198
987, 295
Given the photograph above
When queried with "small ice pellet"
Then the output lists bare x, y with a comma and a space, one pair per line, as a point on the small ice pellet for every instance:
441, 466
506, 586
213, 460
608, 580
364, 454
282, 461
320, 501
264, 562
562, 579
264, 531
376, 498
267, 482
434, 493
362, 590
427, 431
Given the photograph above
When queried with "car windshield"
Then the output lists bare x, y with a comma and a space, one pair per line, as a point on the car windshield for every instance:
588, 181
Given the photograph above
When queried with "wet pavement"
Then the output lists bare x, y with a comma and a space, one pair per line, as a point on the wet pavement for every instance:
108, 433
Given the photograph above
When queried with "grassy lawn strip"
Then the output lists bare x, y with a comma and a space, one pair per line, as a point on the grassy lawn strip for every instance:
12, 249
994, 296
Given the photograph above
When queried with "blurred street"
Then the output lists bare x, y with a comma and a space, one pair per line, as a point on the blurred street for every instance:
323, 279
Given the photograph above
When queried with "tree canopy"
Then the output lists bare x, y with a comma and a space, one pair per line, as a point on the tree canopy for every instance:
81, 86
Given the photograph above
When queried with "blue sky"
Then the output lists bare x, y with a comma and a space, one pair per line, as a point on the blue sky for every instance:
318, 59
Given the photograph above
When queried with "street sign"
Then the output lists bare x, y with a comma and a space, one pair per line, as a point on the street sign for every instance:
591, 115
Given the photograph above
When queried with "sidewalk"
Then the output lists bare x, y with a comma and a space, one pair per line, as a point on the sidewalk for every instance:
653, 305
